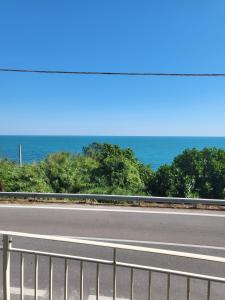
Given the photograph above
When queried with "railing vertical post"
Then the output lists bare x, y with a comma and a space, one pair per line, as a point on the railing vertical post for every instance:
36, 278
21, 276
132, 284
97, 282
66, 280
168, 287
114, 274
188, 288
50, 278
7, 242
81, 281
208, 289
149, 284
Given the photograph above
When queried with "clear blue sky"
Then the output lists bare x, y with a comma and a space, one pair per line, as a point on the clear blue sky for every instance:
118, 35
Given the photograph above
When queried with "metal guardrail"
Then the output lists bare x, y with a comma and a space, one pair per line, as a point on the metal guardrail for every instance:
111, 198
114, 263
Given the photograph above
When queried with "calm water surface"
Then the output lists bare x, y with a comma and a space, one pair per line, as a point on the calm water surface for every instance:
150, 150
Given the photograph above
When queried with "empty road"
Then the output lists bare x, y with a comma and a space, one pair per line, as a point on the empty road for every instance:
183, 230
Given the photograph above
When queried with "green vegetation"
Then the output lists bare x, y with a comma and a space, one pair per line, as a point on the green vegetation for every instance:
108, 169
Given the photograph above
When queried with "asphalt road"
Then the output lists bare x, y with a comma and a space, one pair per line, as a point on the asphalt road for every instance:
184, 230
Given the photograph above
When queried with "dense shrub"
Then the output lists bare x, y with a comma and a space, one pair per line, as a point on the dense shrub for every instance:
200, 173
117, 168
29, 178
7, 175
69, 173
193, 173
105, 168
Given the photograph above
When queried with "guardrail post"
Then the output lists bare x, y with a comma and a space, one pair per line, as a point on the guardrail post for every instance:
7, 243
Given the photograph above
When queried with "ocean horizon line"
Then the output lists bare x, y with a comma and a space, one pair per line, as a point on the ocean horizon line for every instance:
136, 136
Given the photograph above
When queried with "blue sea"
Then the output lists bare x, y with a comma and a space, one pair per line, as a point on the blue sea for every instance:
149, 150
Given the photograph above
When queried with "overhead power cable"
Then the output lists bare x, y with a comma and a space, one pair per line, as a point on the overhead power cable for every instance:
113, 73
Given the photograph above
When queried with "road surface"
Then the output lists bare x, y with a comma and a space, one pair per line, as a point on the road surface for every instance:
183, 230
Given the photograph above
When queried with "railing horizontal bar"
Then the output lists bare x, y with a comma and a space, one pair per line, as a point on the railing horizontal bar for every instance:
122, 264
120, 198
57, 255
172, 272
118, 246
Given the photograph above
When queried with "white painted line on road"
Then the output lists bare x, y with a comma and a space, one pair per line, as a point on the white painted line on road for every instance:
93, 297
149, 242
27, 292
43, 293
160, 212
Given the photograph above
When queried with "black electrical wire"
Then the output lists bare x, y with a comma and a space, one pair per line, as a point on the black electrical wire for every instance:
113, 73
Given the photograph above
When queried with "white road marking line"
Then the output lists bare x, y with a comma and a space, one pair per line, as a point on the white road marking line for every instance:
93, 297
27, 292
2, 206
149, 242
42, 293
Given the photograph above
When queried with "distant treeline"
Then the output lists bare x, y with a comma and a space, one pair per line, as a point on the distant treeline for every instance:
108, 169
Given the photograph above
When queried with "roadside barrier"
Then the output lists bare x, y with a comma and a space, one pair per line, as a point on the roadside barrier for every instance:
114, 263
112, 198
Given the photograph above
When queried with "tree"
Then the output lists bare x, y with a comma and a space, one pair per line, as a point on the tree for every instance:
147, 177
199, 173
29, 178
162, 182
7, 174
118, 169
213, 182
68, 173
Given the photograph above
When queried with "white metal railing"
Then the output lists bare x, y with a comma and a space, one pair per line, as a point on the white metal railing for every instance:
111, 198
8, 248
